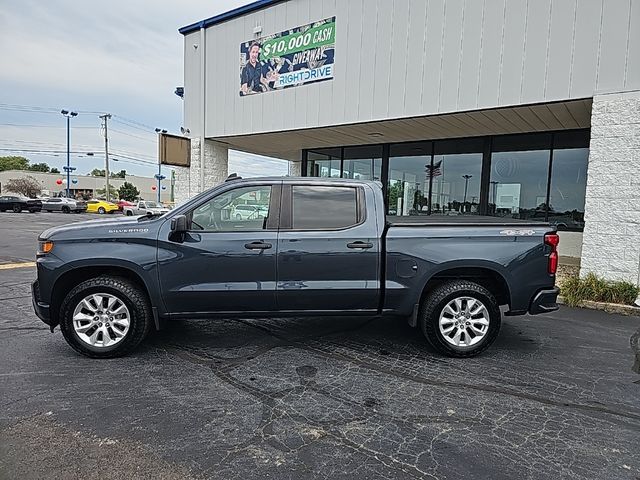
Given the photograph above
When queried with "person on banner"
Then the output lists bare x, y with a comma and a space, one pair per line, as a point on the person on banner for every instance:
255, 76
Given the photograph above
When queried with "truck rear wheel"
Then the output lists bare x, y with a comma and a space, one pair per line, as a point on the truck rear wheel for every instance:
105, 317
460, 318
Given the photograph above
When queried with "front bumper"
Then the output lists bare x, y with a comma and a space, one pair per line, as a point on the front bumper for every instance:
544, 301
42, 309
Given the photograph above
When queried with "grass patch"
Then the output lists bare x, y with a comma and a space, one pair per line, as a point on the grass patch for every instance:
575, 290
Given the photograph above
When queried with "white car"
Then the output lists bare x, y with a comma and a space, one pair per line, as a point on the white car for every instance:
248, 212
143, 207
64, 205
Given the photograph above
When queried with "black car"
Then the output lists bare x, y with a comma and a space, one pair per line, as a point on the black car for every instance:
17, 204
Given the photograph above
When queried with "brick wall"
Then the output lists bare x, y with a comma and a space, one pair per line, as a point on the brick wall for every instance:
611, 240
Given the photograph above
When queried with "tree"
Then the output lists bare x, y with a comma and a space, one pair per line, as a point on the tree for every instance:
27, 186
55, 170
97, 172
13, 163
128, 192
102, 192
39, 167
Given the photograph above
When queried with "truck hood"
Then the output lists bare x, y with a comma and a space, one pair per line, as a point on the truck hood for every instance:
101, 228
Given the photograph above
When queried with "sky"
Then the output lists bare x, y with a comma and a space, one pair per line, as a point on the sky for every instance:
119, 57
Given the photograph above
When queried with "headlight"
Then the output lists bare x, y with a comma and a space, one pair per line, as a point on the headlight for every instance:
44, 247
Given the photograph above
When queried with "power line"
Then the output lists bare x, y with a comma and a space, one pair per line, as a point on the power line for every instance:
134, 122
146, 130
44, 126
133, 135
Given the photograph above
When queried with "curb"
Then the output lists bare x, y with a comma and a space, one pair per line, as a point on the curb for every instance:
606, 307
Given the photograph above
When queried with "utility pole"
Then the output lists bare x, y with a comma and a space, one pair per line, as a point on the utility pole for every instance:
106, 118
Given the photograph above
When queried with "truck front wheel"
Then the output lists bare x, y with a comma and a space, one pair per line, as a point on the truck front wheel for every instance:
460, 318
105, 317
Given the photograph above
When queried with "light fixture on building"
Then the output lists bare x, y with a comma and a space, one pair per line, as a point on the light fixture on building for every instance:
257, 30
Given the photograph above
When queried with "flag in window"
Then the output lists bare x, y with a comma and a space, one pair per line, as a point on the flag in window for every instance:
435, 170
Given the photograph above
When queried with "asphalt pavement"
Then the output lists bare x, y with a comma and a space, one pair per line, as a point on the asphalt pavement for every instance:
554, 397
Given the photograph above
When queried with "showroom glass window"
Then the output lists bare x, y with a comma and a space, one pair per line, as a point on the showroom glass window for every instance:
519, 176
569, 180
457, 170
362, 163
324, 162
408, 184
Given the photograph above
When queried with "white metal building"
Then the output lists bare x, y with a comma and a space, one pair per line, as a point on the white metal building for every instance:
520, 108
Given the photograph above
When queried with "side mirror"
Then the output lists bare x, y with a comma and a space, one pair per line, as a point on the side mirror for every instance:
179, 224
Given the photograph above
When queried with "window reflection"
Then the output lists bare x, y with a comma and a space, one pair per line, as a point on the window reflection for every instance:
518, 186
408, 187
456, 184
568, 188
363, 163
323, 163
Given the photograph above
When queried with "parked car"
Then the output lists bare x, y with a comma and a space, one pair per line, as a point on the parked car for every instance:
101, 206
124, 203
64, 205
18, 203
144, 207
324, 248
248, 212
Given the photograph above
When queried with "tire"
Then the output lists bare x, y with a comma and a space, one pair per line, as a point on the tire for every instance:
17, 208
101, 210
66, 209
446, 295
137, 307
129, 213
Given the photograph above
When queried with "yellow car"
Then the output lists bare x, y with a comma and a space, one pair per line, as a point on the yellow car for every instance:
100, 206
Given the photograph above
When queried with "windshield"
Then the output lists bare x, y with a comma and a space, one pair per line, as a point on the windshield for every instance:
153, 205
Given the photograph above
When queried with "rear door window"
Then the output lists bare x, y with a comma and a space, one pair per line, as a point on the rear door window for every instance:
324, 208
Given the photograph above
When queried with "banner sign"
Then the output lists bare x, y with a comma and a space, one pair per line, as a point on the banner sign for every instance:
292, 58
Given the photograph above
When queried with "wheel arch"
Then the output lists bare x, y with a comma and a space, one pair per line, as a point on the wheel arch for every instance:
69, 279
487, 276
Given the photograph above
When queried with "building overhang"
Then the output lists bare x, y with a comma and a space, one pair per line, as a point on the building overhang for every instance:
567, 115
231, 14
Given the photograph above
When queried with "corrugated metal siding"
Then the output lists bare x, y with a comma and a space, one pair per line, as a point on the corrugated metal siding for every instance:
402, 58
192, 77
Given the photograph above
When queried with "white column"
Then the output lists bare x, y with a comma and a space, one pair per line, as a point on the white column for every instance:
295, 169
216, 165
611, 240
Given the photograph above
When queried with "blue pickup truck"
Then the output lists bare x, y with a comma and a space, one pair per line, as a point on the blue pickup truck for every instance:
312, 247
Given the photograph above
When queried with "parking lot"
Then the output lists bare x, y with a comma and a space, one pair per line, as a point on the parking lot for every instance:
554, 397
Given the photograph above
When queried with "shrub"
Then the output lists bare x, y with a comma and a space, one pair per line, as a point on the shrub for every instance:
575, 290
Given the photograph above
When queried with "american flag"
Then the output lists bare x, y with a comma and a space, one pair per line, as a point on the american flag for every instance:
434, 171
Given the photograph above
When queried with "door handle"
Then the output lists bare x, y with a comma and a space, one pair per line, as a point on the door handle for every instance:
360, 244
257, 246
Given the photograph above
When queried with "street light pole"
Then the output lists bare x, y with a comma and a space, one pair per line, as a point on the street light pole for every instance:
68, 168
466, 183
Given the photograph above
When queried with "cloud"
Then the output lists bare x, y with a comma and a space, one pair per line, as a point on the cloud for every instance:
122, 56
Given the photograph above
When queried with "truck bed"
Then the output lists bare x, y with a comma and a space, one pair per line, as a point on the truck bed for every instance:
466, 220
